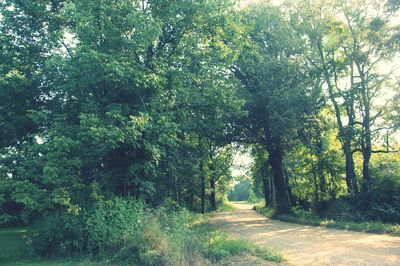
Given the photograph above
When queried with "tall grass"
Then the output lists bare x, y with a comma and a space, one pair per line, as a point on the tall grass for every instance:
125, 232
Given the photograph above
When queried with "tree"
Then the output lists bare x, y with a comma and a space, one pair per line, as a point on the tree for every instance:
277, 88
347, 43
370, 42
262, 177
241, 189
134, 89
29, 34
315, 164
322, 35
221, 161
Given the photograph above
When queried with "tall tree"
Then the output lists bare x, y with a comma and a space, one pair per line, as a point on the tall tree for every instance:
30, 33
277, 88
370, 42
316, 22
349, 42
131, 85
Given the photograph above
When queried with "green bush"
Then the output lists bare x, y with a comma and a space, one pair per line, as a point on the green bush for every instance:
126, 231
105, 228
110, 225
59, 234
123, 231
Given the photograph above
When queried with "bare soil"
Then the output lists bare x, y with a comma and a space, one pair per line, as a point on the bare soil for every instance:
308, 245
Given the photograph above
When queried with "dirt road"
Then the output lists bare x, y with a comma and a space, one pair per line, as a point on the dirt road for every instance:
307, 245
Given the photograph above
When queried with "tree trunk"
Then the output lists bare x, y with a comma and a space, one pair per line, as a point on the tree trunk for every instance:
316, 192
351, 181
366, 185
272, 192
345, 137
289, 189
212, 195
367, 145
281, 196
203, 188
366, 152
267, 191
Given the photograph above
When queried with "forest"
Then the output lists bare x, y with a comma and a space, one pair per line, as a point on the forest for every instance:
117, 113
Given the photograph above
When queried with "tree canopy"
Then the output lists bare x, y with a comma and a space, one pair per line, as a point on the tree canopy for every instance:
151, 99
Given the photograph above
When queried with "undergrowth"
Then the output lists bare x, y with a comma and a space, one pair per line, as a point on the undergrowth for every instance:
127, 232
301, 216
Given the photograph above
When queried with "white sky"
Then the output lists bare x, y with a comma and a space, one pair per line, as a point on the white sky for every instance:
241, 163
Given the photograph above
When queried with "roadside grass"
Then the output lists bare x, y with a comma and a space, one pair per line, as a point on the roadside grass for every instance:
226, 206
14, 251
308, 218
55, 262
13, 243
205, 240
222, 245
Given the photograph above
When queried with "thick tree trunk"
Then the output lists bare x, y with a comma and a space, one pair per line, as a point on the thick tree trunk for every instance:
266, 191
281, 197
272, 192
212, 195
351, 181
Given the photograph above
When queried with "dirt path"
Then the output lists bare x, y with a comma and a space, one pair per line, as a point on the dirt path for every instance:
307, 245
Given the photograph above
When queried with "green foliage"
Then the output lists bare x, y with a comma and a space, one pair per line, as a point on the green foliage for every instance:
109, 108
253, 198
60, 234
111, 224
240, 191
103, 229
112, 99
123, 231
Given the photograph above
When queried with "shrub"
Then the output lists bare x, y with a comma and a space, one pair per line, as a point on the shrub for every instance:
59, 233
104, 228
111, 224
126, 232
123, 231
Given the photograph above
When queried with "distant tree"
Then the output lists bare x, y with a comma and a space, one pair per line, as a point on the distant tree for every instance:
241, 189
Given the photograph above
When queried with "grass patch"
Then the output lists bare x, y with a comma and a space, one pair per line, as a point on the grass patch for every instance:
226, 207
308, 218
14, 251
13, 243
222, 245
56, 262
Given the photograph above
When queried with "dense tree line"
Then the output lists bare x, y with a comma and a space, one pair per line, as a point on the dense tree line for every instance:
347, 47
149, 100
